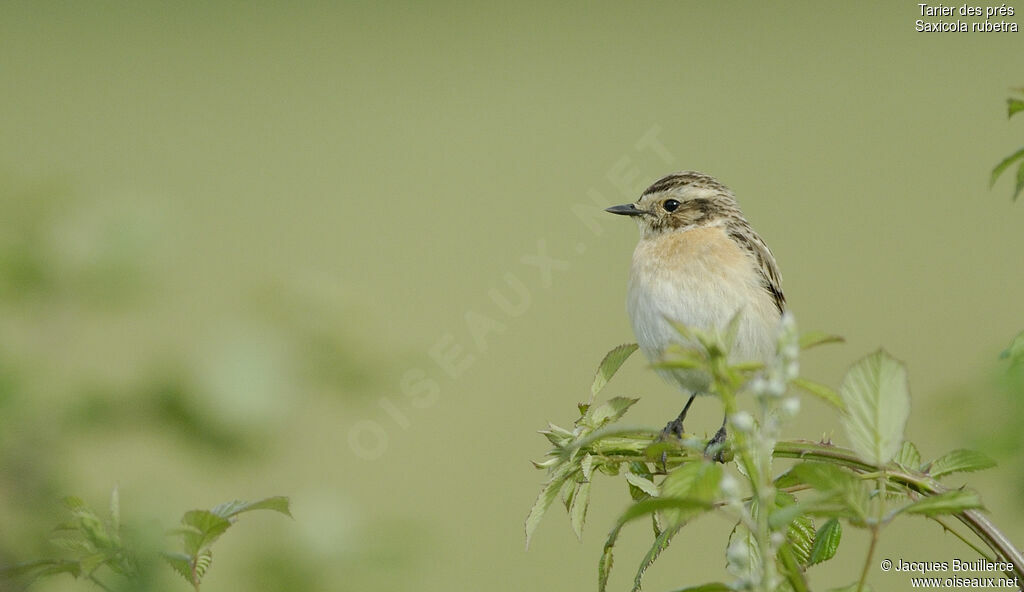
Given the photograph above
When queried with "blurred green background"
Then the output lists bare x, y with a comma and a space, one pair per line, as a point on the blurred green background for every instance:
250, 249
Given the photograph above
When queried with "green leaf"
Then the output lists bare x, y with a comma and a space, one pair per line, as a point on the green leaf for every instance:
1005, 164
908, 457
202, 563
877, 402
547, 496
826, 542
949, 502
661, 543
610, 411
637, 510
203, 528
821, 391
578, 508
642, 483
181, 563
696, 481
1013, 106
611, 363
960, 461
816, 338
278, 503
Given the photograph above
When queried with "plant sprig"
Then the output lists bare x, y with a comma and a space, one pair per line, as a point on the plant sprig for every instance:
880, 479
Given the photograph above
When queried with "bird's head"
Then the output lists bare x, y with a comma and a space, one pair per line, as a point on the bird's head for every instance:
680, 201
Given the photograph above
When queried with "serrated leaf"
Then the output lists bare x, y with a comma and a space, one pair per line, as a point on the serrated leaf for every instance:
181, 563
578, 509
949, 502
547, 496
611, 363
1005, 164
202, 563
204, 527
696, 481
877, 401
821, 391
661, 543
277, 503
960, 461
826, 542
610, 411
816, 338
642, 508
908, 457
1013, 106
587, 466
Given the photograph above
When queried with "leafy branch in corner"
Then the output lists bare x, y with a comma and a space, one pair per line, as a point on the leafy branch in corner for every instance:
786, 519
1014, 105
97, 548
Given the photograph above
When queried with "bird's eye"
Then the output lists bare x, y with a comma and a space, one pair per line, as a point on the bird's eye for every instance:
670, 205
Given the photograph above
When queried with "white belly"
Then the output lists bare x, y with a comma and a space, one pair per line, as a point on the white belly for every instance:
701, 285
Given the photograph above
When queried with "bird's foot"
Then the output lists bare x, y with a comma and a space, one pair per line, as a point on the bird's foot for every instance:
673, 432
716, 446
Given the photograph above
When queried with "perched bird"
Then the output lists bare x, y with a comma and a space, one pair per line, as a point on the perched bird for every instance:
699, 263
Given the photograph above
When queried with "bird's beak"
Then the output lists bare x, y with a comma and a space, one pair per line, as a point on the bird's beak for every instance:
626, 210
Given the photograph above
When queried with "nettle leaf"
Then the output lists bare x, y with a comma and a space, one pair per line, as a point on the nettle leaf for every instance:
611, 363
960, 461
908, 457
826, 542
816, 338
277, 503
821, 391
877, 402
843, 494
949, 502
181, 563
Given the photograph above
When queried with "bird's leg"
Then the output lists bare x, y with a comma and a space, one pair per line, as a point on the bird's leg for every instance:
674, 430
716, 444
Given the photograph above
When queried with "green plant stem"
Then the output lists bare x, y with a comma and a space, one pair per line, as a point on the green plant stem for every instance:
867, 560
627, 449
96, 581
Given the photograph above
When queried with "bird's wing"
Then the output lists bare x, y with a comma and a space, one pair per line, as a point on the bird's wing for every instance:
766, 266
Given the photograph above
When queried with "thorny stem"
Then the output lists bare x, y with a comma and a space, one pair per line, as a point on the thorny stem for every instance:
632, 449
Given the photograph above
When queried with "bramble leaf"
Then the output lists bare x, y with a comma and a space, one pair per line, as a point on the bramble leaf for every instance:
960, 461
877, 406
908, 457
949, 502
823, 392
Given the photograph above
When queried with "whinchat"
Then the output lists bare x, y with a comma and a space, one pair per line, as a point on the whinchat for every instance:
699, 263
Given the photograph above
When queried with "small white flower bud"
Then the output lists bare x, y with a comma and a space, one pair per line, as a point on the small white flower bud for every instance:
729, 487
791, 406
777, 539
742, 421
